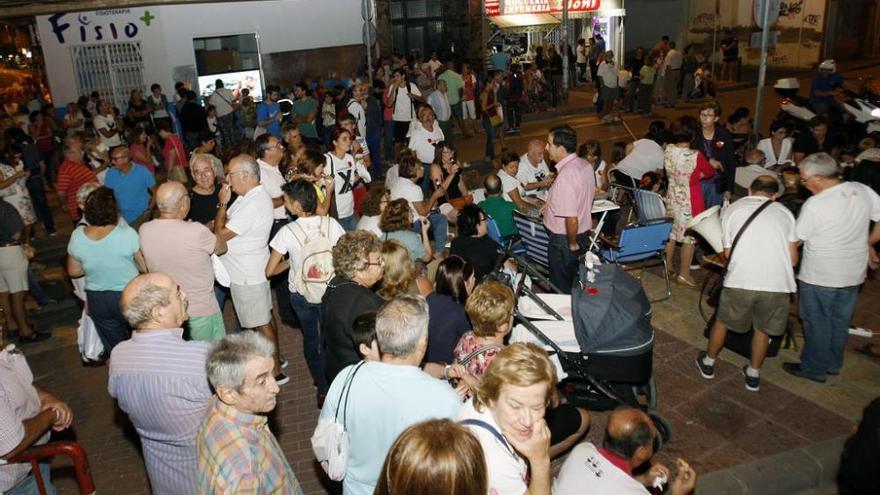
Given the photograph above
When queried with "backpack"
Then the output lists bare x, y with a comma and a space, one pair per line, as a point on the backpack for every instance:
311, 279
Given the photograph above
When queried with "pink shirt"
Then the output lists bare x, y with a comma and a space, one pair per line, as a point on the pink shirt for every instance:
571, 195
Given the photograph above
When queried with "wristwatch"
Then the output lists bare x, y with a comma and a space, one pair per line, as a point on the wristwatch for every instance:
221, 205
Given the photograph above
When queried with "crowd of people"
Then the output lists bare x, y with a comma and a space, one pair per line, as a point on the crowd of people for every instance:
384, 236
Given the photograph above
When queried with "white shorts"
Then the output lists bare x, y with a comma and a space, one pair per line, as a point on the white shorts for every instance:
13, 270
253, 304
469, 110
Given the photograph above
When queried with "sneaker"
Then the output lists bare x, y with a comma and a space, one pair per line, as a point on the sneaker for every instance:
753, 383
281, 378
708, 372
284, 362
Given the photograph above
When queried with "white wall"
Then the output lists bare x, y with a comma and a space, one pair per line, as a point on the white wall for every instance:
166, 43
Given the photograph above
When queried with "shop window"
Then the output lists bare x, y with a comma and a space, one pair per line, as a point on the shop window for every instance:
415, 39
416, 9
111, 69
397, 10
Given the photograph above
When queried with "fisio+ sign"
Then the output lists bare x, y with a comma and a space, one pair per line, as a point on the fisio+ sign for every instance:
86, 28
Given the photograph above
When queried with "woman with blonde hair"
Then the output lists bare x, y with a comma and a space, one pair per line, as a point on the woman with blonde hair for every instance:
400, 273
435, 457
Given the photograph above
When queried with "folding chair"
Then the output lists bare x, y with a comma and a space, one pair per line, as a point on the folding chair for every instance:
641, 244
532, 256
649, 205
83, 472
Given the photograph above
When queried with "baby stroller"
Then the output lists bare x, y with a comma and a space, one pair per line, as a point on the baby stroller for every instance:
600, 337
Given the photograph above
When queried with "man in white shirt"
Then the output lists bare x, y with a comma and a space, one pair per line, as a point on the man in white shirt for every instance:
760, 278
608, 93
507, 417
533, 172
672, 75
628, 444
439, 101
270, 152
224, 103
247, 236
401, 97
834, 226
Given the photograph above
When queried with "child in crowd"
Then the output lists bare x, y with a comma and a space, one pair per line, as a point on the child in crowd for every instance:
363, 333
647, 75
624, 76
591, 151
310, 167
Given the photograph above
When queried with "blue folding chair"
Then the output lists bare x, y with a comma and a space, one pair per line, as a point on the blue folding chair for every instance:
531, 251
642, 244
649, 205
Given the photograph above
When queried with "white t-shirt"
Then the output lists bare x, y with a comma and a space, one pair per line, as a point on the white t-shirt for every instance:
72, 117
357, 111
762, 259
250, 217
403, 106
423, 141
609, 74
581, 51
439, 102
586, 471
600, 175
285, 242
646, 156
408, 190
344, 175
509, 183
527, 173
108, 123
272, 180
392, 176
834, 227
507, 470
434, 64
370, 224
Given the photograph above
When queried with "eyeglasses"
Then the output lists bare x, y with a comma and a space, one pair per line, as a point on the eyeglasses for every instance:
203, 173
804, 180
120, 157
375, 263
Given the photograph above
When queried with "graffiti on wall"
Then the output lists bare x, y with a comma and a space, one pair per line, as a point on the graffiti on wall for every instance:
812, 19
706, 18
791, 8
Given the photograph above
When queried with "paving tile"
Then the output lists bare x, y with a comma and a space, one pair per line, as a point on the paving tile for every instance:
812, 421
721, 416
766, 437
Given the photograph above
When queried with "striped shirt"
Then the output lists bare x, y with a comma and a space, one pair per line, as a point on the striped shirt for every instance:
239, 454
72, 175
161, 383
18, 401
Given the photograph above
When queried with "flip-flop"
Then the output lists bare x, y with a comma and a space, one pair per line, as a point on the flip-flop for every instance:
868, 350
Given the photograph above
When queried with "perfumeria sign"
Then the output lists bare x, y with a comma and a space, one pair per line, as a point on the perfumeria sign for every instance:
514, 7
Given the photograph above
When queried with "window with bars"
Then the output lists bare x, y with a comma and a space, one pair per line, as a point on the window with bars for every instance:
417, 25
111, 69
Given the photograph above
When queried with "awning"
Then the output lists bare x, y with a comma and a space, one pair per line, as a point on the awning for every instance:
522, 20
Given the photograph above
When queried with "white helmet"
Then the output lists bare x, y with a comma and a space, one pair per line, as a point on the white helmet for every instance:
828, 64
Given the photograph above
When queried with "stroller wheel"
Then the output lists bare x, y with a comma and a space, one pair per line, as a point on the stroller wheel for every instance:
648, 391
664, 430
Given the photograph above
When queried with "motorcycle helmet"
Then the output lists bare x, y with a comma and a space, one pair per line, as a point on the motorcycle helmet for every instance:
828, 64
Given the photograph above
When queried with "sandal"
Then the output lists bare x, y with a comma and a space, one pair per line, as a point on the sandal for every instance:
33, 337
683, 281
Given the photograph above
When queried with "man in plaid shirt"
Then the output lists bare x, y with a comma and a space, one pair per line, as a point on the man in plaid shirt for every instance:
237, 452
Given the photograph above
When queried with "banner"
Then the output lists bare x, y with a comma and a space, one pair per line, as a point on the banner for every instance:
516, 7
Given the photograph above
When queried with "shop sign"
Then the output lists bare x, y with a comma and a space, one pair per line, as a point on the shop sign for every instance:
516, 7
101, 25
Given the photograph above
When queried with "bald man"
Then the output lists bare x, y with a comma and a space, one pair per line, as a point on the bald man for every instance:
628, 444
497, 207
533, 172
183, 250
161, 381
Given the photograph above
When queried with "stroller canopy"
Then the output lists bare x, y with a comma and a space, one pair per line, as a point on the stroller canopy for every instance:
611, 314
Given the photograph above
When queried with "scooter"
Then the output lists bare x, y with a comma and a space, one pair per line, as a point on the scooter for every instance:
864, 105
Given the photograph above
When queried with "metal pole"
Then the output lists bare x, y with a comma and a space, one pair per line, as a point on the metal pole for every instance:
368, 21
563, 51
715, 34
762, 71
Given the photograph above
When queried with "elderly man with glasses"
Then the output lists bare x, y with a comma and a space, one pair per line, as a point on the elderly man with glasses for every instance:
133, 186
834, 225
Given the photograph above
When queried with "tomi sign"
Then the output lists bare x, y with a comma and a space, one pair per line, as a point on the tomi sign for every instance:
514, 7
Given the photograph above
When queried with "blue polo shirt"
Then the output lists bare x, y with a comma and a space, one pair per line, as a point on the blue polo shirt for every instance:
132, 190
267, 110
823, 83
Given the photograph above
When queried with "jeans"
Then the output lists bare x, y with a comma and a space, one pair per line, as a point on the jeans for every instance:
35, 289
374, 141
222, 294
490, 137
348, 223
308, 315
564, 261
439, 226
28, 485
514, 113
109, 322
826, 313
388, 140
629, 100
711, 196
427, 188
37, 190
